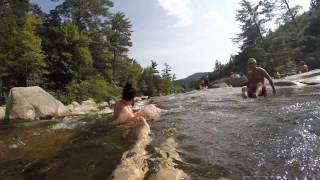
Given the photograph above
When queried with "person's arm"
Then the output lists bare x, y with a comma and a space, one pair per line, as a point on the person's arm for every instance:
266, 75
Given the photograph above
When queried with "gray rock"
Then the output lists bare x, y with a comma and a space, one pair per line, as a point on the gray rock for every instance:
219, 85
287, 83
306, 75
107, 110
234, 81
31, 103
103, 105
74, 109
144, 97
112, 102
89, 106
2, 113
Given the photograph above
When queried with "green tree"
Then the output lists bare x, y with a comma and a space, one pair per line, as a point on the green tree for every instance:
120, 38
167, 85
252, 25
69, 58
92, 18
287, 13
86, 15
22, 53
13, 18
29, 61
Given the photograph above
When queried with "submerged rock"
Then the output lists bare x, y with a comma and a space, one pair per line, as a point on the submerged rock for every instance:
31, 103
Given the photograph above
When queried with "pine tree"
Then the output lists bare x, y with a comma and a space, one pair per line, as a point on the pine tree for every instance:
29, 60
69, 58
120, 38
252, 25
287, 13
86, 15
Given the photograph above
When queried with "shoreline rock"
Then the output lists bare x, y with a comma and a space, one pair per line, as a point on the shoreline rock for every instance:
2, 113
32, 103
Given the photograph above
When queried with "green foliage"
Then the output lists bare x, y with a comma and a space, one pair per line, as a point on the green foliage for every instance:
152, 84
74, 51
120, 38
96, 88
21, 55
296, 39
252, 24
69, 57
86, 15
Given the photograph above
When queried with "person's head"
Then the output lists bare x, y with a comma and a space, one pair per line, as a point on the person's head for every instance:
252, 63
128, 92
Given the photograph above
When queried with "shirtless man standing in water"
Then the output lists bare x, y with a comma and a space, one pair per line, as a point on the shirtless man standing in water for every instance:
256, 86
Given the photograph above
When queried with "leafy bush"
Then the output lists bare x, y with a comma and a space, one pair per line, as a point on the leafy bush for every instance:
95, 88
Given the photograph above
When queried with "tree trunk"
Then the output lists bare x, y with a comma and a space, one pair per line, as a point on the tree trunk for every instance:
114, 65
258, 28
290, 12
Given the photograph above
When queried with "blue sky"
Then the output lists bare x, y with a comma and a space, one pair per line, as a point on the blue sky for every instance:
188, 34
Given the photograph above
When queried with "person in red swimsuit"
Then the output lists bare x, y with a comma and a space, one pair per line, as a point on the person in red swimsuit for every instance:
256, 81
123, 110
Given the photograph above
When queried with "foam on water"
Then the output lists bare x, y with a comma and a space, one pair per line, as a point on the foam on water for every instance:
69, 123
133, 162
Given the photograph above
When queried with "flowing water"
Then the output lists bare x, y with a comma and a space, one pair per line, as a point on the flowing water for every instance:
211, 134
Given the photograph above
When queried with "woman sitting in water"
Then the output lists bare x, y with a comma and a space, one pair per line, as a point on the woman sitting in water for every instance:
123, 110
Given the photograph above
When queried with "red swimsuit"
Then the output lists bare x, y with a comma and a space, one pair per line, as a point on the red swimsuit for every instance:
253, 90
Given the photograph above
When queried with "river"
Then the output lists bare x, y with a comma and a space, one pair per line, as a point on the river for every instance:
216, 135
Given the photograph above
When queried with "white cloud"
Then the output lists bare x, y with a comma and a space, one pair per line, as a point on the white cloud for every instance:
179, 9
214, 20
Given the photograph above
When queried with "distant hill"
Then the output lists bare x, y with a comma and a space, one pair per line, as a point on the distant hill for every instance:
193, 78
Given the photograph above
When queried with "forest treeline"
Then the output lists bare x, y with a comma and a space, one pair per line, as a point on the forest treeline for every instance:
295, 41
76, 51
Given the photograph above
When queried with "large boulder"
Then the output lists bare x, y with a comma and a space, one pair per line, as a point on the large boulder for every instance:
31, 103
